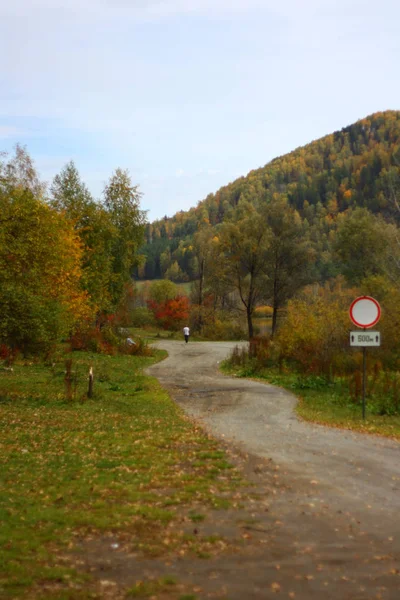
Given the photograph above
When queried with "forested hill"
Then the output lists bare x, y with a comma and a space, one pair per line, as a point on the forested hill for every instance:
357, 166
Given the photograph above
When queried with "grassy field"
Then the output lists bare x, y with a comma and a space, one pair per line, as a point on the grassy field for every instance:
126, 462
152, 334
326, 403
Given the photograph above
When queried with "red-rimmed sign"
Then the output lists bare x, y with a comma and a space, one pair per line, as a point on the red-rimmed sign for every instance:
365, 312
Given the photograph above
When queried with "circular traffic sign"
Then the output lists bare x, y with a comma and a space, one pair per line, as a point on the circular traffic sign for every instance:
365, 311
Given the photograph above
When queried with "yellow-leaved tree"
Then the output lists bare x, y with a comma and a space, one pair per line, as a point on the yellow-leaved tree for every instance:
41, 297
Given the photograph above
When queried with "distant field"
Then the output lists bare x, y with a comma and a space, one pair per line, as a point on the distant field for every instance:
184, 287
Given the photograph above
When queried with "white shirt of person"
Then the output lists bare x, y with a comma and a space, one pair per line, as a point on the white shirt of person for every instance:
186, 331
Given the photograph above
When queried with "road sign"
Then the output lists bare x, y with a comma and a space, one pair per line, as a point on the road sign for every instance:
365, 312
365, 338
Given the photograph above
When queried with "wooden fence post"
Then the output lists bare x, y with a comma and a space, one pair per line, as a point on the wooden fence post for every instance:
90, 389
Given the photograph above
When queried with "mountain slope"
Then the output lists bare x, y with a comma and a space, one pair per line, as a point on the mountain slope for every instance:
357, 166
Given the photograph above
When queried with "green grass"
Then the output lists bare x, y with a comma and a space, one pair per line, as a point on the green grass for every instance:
184, 288
146, 589
326, 403
125, 462
153, 334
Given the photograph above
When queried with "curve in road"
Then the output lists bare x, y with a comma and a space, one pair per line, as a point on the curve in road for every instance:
353, 472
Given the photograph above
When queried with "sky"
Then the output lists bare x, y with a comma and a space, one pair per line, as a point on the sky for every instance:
188, 94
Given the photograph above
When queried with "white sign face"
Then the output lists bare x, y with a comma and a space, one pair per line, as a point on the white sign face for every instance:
365, 338
365, 311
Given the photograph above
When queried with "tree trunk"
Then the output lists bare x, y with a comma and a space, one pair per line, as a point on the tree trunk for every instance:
274, 305
201, 282
250, 323
201, 285
274, 320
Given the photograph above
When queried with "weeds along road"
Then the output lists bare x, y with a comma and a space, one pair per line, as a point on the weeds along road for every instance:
347, 473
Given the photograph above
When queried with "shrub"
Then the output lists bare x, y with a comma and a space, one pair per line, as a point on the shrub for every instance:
239, 356
223, 330
5, 352
315, 332
171, 314
139, 348
263, 311
264, 351
142, 317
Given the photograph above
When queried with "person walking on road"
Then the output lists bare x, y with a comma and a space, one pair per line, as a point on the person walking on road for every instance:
186, 333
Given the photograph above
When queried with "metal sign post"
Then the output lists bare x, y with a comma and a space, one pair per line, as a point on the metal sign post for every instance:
365, 312
364, 380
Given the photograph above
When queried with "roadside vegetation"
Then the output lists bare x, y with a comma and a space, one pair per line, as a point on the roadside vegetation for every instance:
311, 356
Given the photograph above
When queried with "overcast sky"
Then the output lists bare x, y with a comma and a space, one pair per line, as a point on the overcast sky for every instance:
188, 94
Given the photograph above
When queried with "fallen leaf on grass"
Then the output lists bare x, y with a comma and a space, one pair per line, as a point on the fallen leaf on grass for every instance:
275, 587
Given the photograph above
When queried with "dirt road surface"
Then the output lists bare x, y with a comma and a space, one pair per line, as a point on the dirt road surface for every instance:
336, 507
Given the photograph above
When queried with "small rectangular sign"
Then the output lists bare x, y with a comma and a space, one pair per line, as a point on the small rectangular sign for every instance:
365, 338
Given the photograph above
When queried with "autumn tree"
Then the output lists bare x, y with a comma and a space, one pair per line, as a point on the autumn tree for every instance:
41, 297
171, 314
169, 307
348, 168
314, 333
94, 226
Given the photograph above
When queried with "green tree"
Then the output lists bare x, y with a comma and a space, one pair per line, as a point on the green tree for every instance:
363, 245
18, 172
165, 261
202, 250
243, 245
290, 255
175, 273
122, 201
71, 195
162, 290
95, 228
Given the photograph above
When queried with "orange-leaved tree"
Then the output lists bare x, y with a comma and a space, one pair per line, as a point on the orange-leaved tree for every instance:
172, 313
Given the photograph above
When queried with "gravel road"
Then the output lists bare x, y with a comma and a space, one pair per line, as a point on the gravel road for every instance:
354, 474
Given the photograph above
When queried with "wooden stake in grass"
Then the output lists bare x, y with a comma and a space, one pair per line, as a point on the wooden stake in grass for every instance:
90, 389
68, 379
